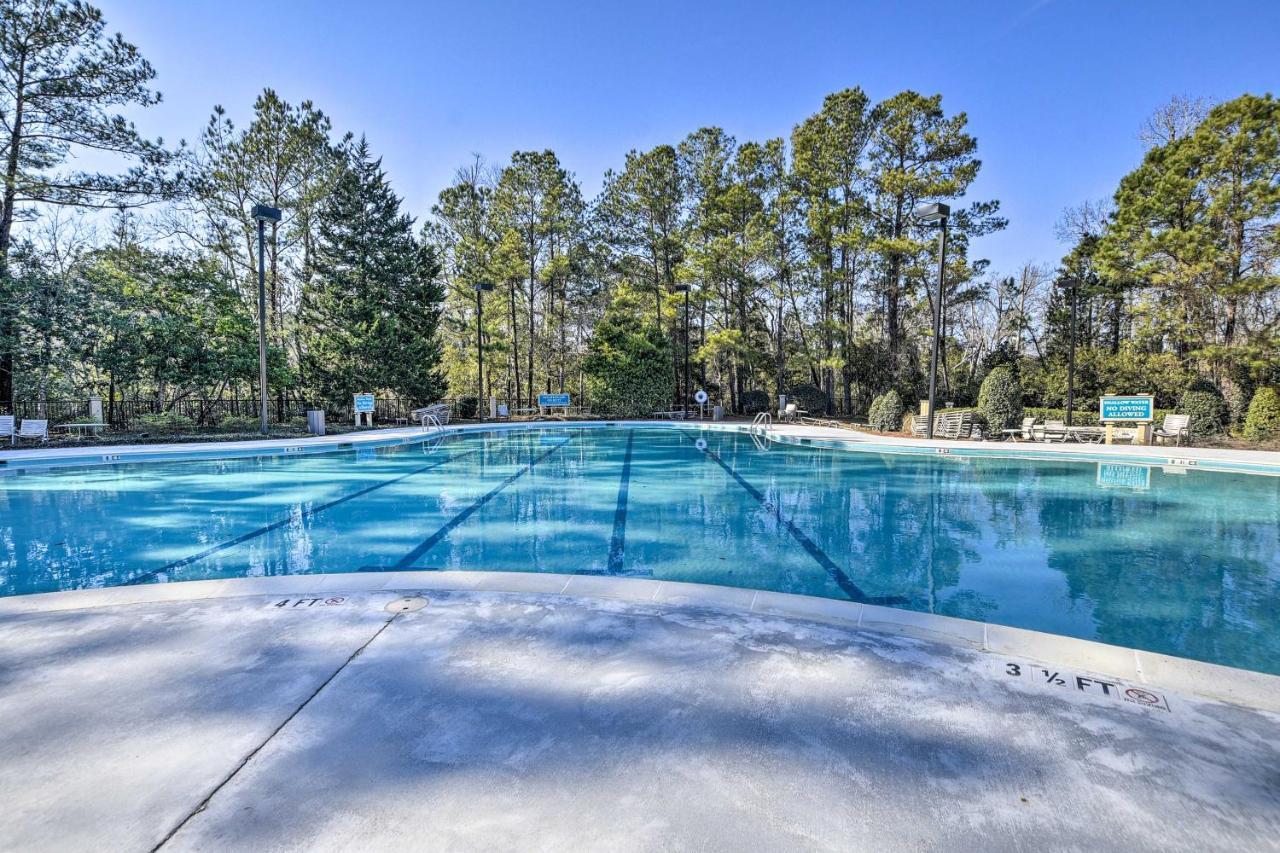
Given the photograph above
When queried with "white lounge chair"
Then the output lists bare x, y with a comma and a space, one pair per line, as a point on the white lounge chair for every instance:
6, 427
1056, 431
790, 413
35, 430
439, 412
1176, 427
504, 412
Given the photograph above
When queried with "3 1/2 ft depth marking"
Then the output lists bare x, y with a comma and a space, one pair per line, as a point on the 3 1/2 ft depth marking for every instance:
1088, 684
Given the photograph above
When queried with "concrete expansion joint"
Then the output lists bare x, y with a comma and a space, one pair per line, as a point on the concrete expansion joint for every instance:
204, 804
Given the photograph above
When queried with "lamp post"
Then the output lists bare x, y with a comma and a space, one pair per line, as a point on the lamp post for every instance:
263, 214
936, 212
482, 287
1071, 284
684, 288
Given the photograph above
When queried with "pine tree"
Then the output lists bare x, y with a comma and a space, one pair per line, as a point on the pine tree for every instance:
372, 308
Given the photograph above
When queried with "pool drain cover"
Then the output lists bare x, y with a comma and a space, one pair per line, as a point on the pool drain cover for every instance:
407, 604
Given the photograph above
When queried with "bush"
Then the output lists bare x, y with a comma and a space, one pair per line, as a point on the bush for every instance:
886, 412
1207, 408
167, 422
1263, 420
1000, 399
808, 397
466, 407
754, 401
628, 363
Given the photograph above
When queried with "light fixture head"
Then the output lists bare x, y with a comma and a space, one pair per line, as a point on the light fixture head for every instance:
484, 286
679, 288
263, 213
1068, 281
932, 212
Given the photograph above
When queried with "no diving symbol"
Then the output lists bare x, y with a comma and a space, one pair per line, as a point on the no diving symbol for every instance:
1143, 697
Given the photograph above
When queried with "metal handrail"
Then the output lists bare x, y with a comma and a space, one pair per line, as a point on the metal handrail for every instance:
763, 420
431, 419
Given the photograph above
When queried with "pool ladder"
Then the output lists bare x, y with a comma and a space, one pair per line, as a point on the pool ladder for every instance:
431, 420
762, 421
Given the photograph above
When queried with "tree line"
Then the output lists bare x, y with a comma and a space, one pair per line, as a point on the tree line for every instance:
801, 264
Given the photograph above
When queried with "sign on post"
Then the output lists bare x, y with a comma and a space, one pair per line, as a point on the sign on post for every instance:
1132, 408
553, 401
363, 406
1140, 408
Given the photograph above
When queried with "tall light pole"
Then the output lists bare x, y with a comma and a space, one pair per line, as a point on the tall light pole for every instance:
684, 288
1071, 284
263, 214
482, 287
936, 212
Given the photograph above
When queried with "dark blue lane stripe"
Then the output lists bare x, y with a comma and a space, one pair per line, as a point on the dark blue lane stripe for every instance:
406, 562
306, 513
619, 540
842, 580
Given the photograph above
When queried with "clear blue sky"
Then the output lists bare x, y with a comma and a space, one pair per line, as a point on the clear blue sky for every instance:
1055, 90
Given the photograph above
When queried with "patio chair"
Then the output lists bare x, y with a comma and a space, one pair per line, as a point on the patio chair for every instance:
1026, 432
789, 413
33, 430
1056, 431
1176, 427
6, 427
504, 412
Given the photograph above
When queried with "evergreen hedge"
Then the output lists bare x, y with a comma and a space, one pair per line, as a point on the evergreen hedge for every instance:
886, 412
1263, 420
1000, 399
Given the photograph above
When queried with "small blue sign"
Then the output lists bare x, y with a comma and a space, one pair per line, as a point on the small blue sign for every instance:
547, 401
1135, 408
364, 402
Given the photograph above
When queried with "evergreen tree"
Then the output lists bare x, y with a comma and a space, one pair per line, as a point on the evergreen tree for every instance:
372, 308
61, 81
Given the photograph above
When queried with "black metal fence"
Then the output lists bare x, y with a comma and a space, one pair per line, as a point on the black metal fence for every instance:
201, 412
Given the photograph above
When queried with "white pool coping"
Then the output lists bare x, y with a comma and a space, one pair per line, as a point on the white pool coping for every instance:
1182, 675
1211, 458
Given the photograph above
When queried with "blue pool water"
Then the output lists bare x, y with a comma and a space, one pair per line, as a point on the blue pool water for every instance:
1186, 563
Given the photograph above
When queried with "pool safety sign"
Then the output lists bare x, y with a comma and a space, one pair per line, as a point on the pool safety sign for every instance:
549, 401
1092, 687
1138, 408
363, 403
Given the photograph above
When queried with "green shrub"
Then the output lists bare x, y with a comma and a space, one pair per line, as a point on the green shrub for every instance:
628, 364
167, 422
1263, 420
238, 423
466, 407
1207, 408
886, 412
754, 401
1000, 399
811, 398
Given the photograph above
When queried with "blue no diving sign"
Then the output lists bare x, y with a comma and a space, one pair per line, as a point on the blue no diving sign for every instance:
547, 401
1138, 408
364, 402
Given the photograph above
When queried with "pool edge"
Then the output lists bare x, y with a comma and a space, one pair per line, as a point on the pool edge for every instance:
1242, 687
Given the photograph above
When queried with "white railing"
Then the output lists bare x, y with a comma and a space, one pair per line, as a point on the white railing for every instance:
762, 421
431, 419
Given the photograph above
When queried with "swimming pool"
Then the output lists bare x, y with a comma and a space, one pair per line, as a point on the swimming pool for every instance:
1173, 561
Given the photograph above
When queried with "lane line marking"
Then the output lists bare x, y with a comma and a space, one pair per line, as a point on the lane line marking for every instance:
406, 562
276, 525
842, 580
618, 543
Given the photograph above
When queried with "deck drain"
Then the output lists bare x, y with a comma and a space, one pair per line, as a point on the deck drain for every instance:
407, 604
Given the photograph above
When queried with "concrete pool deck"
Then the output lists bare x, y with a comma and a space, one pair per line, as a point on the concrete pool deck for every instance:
469, 711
